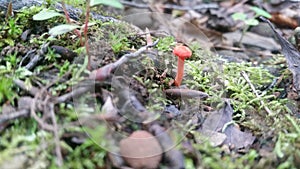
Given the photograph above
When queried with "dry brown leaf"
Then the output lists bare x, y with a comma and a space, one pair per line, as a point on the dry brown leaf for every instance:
221, 121
284, 21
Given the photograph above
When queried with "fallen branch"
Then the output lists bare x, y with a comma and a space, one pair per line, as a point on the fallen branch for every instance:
36, 58
33, 114
13, 115
31, 90
56, 136
291, 54
76, 92
171, 6
105, 71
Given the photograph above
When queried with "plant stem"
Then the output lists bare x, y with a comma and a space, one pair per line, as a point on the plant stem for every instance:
77, 32
243, 34
180, 70
87, 16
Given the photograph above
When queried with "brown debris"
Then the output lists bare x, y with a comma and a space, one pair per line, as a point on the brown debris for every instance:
185, 93
141, 150
221, 121
282, 20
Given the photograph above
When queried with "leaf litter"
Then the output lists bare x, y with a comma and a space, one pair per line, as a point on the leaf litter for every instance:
220, 129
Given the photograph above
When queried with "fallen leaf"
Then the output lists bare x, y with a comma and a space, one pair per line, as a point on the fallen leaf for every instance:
221, 122
282, 20
215, 138
291, 54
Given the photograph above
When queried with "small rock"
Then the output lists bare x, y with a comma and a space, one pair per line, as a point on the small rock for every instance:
141, 150
65, 53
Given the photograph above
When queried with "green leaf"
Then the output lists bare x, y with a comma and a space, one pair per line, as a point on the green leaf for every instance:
113, 3
45, 14
260, 12
61, 29
239, 16
9, 41
251, 22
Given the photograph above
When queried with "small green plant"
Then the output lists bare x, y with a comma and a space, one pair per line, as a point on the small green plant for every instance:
166, 43
65, 28
250, 21
118, 42
9, 32
81, 157
6, 89
51, 55
14, 30
12, 60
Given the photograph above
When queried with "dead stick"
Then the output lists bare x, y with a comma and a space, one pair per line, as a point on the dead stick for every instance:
72, 94
104, 72
56, 136
171, 6
13, 115
30, 89
246, 77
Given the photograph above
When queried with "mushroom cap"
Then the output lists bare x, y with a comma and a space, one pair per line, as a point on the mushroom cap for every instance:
183, 52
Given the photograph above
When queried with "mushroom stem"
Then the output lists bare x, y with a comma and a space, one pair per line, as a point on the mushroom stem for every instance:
180, 70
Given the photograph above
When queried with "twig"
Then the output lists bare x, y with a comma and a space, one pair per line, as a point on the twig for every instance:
33, 106
49, 107
56, 135
126, 57
171, 6
135, 5
87, 17
72, 94
30, 89
246, 77
196, 7
69, 21
105, 71
13, 115
65, 11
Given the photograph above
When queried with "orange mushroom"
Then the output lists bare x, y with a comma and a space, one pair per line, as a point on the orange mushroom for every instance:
182, 52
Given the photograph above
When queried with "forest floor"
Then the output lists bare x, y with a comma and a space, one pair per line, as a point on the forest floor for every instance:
115, 101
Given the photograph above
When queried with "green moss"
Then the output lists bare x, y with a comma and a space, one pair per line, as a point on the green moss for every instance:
165, 44
248, 111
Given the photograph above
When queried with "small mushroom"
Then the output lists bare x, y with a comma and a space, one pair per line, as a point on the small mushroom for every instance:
182, 52
141, 150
